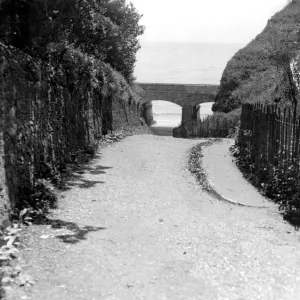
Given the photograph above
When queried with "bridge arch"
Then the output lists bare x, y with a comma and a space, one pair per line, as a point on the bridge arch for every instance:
188, 96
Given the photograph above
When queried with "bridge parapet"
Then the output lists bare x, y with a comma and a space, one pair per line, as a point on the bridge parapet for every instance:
189, 88
181, 94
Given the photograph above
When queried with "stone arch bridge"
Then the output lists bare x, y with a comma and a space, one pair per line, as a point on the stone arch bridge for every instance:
188, 96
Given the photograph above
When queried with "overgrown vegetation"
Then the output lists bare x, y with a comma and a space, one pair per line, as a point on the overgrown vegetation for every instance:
267, 72
66, 74
218, 125
195, 165
261, 71
267, 151
105, 30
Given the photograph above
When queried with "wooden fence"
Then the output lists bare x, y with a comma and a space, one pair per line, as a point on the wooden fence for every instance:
217, 125
269, 148
271, 135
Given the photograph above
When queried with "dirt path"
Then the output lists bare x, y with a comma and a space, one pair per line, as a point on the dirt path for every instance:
226, 179
135, 225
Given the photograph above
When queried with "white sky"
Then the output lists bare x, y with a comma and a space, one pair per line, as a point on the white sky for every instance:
217, 21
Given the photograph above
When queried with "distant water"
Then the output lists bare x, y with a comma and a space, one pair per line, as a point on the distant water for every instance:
193, 63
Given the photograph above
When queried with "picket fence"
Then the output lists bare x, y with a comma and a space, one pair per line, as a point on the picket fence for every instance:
271, 136
215, 126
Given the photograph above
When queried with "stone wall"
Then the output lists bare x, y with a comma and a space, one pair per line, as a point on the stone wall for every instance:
4, 200
49, 112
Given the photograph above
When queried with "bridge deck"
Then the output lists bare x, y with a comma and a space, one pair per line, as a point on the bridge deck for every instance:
176, 84
181, 94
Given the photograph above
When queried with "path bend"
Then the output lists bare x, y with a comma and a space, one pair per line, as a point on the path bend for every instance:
136, 225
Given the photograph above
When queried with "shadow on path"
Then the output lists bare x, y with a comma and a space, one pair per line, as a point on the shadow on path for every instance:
78, 178
78, 233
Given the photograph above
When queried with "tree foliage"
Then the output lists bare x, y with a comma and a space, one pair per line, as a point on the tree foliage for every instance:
123, 45
105, 29
62, 68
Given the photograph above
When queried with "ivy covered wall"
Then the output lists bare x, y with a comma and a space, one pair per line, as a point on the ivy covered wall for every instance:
53, 109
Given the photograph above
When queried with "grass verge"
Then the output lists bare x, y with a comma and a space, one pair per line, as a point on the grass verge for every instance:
196, 168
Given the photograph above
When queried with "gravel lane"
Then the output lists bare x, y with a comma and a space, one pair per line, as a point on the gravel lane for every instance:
225, 177
136, 225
